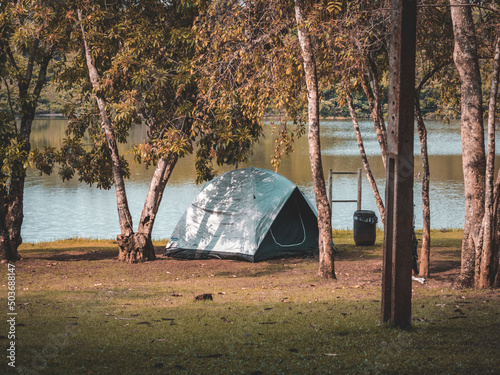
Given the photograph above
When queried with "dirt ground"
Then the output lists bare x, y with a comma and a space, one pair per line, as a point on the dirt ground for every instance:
361, 266
351, 267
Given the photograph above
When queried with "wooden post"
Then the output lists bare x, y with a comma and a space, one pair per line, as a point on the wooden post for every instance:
397, 262
359, 189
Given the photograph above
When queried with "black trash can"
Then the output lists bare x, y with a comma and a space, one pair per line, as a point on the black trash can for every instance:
365, 227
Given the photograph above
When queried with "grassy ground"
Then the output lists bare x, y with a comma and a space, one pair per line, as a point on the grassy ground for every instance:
82, 312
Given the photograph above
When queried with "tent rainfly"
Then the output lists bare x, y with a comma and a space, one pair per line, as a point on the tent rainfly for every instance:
247, 214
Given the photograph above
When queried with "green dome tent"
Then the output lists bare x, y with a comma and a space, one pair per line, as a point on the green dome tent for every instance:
247, 214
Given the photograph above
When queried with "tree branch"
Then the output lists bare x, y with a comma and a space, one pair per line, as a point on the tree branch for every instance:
9, 99
11, 58
31, 62
430, 74
42, 73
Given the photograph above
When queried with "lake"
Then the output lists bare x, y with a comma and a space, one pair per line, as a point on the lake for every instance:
57, 210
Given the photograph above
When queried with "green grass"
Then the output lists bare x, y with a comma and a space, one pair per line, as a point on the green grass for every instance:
82, 312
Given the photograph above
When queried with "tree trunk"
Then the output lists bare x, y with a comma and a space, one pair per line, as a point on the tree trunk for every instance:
486, 275
496, 281
326, 261
473, 154
12, 219
425, 252
366, 165
140, 246
496, 232
375, 103
125, 219
133, 247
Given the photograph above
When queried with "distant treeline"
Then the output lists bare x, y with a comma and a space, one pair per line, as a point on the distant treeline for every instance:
53, 101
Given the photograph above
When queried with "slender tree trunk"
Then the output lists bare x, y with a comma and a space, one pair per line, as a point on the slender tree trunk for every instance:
133, 248
425, 252
496, 232
159, 181
125, 219
372, 92
486, 274
473, 154
364, 159
496, 281
326, 261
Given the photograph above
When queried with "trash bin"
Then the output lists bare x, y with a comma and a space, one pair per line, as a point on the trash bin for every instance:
365, 227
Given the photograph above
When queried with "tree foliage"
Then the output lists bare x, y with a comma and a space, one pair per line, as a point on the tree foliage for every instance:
32, 35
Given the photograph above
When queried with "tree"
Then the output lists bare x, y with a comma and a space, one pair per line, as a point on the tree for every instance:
254, 47
132, 247
473, 155
487, 261
32, 35
365, 40
326, 263
434, 54
135, 65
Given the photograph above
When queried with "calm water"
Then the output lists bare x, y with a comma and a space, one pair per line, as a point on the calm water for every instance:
55, 210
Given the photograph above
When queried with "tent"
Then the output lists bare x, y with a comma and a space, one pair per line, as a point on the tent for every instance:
247, 214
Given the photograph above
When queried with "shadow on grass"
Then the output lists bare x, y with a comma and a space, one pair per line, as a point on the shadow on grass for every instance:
270, 269
438, 266
454, 253
350, 253
82, 255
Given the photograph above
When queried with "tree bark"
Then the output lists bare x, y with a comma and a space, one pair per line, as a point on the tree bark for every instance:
496, 281
364, 159
473, 154
326, 261
375, 103
486, 275
496, 234
139, 247
377, 107
425, 252
159, 181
